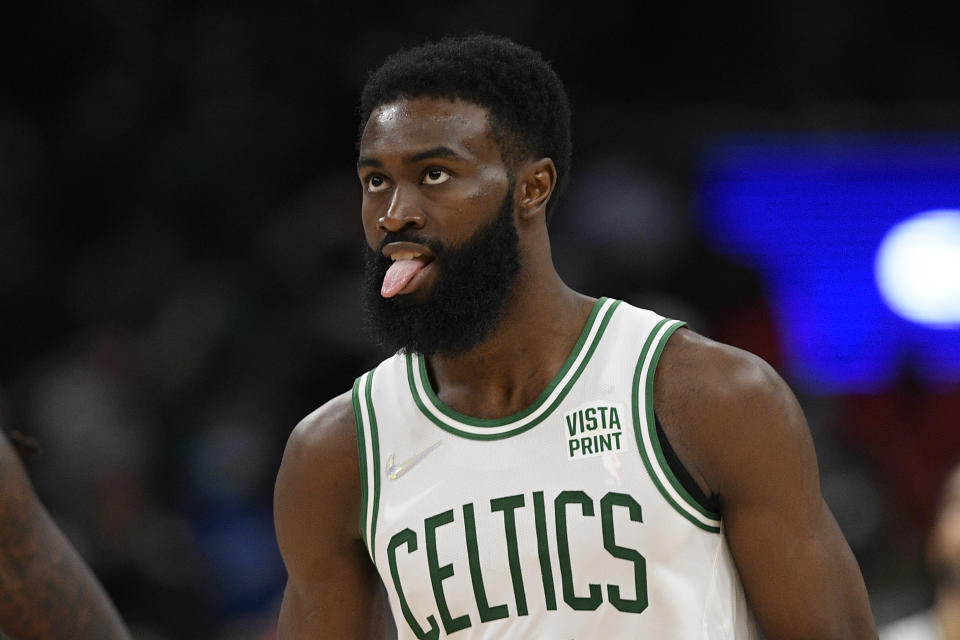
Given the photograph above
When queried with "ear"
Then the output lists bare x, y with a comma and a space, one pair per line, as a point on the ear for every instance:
535, 183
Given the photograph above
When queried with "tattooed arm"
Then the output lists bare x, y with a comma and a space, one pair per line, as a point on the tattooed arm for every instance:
46, 590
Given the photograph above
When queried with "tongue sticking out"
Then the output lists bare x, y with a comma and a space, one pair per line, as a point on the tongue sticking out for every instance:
398, 275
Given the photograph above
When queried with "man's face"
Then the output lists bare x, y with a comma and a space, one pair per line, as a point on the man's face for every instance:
438, 219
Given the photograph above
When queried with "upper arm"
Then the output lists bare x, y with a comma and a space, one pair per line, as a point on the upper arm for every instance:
332, 587
746, 438
47, 590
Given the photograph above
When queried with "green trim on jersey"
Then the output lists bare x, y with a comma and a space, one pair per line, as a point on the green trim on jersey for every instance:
362, 455
375, 439
368, 445
646, 431
465, 426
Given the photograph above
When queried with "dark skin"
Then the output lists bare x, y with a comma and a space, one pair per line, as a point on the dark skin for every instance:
432, 165
47, 592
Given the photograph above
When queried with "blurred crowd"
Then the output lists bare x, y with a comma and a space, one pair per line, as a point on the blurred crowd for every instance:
179, 254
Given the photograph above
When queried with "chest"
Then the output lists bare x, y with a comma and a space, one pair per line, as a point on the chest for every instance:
561, 518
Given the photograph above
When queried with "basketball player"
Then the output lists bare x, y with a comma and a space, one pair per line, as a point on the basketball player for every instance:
535, 463
46, 590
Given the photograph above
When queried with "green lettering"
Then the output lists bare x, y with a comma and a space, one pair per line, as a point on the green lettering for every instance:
591, 414
509, 505
487, 613
603, 416
604, 442
587, 444
543, 550
574, 445
409, 538
614, 418
616, 438
571, 423
577, 603
638, 604
438, 574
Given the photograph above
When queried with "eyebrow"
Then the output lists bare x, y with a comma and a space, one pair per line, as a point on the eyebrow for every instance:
440, 151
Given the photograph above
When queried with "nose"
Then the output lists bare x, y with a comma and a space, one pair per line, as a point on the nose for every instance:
403, 211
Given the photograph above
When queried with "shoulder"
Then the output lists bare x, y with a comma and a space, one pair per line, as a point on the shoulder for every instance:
319, 473
726, 407
708, 381
735, 421
715, 372
327, 430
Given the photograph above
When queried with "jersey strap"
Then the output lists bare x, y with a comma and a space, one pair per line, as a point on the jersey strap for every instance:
644, 423
368, 447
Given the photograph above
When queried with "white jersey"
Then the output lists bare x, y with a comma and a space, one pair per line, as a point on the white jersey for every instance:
560, 522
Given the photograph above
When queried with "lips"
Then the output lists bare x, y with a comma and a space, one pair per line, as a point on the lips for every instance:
409, 259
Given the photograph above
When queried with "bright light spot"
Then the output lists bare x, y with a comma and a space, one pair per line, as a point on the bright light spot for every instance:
917, 268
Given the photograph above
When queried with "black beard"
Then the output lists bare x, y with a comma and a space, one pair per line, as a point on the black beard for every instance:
469, 294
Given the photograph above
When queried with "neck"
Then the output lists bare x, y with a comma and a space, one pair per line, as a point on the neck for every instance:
508, 371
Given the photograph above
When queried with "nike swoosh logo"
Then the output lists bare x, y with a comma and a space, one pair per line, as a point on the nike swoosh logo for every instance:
394, 471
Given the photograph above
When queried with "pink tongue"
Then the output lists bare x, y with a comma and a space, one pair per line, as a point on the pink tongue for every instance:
398, 275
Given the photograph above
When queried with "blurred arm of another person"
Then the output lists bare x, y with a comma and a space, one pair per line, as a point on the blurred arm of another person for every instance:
47, 592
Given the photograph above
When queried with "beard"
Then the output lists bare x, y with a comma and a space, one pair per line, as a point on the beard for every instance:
468, 298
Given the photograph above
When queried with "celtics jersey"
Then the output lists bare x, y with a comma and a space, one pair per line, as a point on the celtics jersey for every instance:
561, 522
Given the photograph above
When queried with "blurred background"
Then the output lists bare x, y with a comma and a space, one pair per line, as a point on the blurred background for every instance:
179, 250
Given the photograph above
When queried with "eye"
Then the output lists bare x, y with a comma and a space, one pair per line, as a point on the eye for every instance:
376, 183
435, 176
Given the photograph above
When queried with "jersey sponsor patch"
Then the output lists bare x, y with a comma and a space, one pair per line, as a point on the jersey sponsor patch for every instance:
594, 428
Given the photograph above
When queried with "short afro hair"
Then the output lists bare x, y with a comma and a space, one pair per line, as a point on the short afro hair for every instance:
527, 105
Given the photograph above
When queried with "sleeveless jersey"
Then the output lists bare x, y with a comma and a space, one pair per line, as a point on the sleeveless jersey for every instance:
560, 522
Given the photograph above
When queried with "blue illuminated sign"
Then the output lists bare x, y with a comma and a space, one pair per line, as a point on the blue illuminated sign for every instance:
811, 215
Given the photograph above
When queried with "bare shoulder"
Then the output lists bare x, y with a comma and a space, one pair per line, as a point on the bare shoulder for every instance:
740, 431
319, 476
327, 432
694, 366
722, 406
331, 584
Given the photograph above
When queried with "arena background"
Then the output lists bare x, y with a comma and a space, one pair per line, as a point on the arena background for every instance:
179, 243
